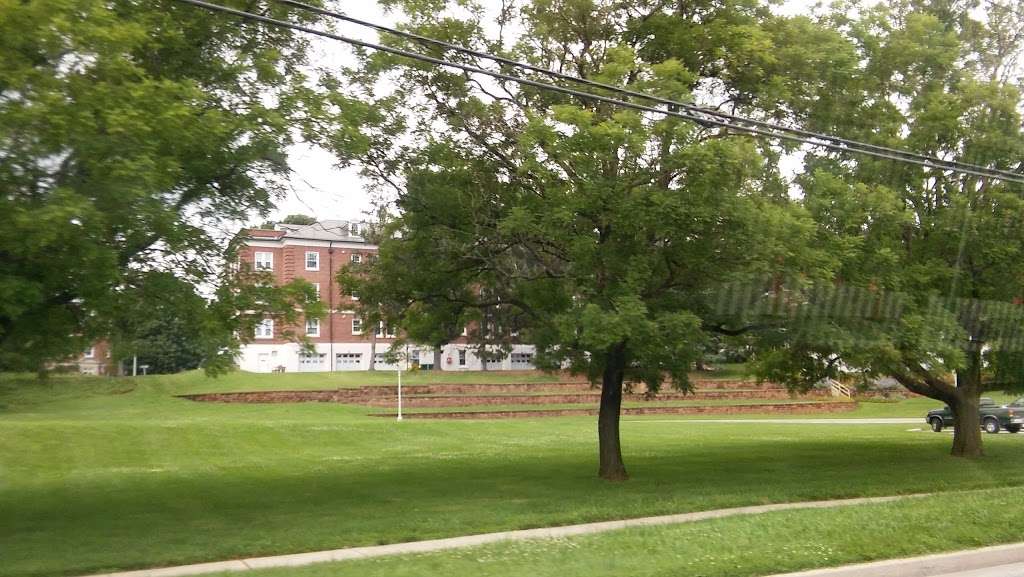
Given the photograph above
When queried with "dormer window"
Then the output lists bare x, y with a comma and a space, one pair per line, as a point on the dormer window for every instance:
354, 229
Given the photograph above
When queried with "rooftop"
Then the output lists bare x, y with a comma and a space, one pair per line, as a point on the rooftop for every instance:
339, 230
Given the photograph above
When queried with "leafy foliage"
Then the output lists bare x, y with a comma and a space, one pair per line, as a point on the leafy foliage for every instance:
946, 246
131, 133
598, 234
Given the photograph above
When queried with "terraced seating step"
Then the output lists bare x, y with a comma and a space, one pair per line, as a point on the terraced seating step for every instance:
730, 389
754, 408
587, 397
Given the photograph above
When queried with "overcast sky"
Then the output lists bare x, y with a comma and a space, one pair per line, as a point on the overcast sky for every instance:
322, 190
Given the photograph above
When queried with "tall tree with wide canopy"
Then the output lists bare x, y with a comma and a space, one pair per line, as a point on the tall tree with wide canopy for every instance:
130, 133
940, 78
601, 232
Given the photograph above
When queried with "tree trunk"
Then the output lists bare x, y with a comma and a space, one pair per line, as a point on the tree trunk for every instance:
373, 353
966, 427
437, 358
611, 466
967, 421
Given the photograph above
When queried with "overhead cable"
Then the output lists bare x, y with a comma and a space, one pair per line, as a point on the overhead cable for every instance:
635, 94
773, 133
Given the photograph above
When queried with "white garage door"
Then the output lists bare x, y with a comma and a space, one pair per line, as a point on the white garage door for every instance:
348, 361
312, 363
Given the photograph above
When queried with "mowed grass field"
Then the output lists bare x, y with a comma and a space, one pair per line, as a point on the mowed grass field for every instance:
101, 474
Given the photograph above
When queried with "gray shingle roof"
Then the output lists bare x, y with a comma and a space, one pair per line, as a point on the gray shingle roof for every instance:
324, 230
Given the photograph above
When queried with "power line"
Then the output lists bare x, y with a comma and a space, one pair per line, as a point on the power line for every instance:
930, 163
953, 164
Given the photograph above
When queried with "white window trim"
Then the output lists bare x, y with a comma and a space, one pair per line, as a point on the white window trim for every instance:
354, 229
462, 357
356, 258
315, 253
265, 324
315, 333
268, 260
383, 332
356, 331
316, 287
90, 353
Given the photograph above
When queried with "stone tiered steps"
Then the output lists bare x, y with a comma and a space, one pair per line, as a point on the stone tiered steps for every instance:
516, 400
442, 400
754, 408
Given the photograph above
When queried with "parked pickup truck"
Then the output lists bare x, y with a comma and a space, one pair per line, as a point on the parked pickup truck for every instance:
993, 417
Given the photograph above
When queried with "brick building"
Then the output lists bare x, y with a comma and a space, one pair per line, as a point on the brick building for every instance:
94, 361
316, 252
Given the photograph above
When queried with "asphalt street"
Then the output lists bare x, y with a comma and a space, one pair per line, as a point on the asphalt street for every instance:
1012, 570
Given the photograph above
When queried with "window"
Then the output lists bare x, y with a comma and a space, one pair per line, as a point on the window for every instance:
465, 331
265, 330
354, 295
415, 357
264, 261
462, 357
357, 326
357, 258
354, 229
384, 331
312, 327
90, 352
312, 261
316, 287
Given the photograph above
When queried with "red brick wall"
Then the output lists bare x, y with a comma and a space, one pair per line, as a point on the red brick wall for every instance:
290, 263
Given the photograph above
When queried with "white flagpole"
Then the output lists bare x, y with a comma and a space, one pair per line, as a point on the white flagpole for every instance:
399, 392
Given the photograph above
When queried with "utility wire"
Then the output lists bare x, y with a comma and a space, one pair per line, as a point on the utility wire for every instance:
651, 98
817, 142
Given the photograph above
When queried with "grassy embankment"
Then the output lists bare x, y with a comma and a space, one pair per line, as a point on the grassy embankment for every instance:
99, 474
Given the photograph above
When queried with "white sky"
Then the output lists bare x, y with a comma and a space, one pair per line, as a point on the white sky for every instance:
326, 192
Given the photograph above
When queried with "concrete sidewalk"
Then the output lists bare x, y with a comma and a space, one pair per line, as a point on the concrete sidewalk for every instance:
998, 561
300, 559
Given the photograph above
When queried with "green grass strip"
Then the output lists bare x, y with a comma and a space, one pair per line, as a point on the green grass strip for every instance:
733, 547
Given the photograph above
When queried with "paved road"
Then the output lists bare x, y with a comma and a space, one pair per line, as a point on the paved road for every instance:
1013, 570
788, 421
998, 561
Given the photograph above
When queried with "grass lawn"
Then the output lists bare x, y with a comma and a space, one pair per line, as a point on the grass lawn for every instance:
734, 547
101, 474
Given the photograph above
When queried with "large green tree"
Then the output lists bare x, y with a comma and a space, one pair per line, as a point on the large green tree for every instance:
943, 249
133, 137
599, 233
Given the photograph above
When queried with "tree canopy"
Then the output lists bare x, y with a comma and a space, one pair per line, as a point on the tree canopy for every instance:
943, 249
134, 137
600, 234
613, 238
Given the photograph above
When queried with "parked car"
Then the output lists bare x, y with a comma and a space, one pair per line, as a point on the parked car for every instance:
993, 417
